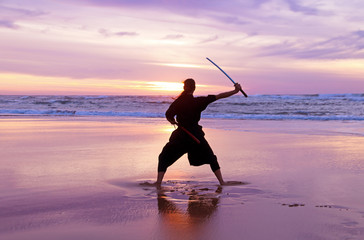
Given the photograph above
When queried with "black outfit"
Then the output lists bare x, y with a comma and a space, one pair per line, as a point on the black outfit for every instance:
188, 111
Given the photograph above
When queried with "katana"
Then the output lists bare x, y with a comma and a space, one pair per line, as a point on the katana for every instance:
241, 90
190, 134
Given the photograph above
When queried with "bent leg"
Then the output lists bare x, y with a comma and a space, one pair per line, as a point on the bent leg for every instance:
171, 152
203, 154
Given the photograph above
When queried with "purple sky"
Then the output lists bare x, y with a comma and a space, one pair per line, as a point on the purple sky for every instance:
129, 47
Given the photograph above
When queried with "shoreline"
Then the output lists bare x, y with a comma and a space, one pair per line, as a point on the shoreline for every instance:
354, 127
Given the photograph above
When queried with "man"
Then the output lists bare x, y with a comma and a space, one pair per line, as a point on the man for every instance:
187, 110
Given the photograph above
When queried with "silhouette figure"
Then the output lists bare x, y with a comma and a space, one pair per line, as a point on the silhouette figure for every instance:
185, 112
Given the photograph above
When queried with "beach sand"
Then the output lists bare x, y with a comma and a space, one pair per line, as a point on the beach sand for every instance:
81, 178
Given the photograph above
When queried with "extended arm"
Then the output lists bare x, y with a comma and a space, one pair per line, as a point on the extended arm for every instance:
230, 93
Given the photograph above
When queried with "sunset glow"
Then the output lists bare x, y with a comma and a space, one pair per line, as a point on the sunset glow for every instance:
149, 47
166, 86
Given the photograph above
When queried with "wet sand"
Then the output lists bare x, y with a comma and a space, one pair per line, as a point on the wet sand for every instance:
77, 178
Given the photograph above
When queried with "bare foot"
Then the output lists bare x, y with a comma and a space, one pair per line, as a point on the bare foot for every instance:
232, 183
148, 184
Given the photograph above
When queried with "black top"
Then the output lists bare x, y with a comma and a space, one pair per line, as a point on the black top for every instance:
188, 109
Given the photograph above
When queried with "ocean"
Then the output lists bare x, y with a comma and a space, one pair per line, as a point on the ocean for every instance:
316, 107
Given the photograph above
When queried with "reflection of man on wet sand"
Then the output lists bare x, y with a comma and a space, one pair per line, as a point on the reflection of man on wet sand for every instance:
201, 207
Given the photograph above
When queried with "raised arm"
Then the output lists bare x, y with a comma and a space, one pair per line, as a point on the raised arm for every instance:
230, 93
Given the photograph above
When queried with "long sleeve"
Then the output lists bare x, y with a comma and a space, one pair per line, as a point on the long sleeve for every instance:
171, 113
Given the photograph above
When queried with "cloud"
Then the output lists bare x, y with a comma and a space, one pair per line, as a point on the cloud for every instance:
9, 16
231, 13
207, 4
360, 34
14, 12
295, 6
107, 33
126, 34
229, 19
349, 46
210, 39
173, 37
8, 24
104, 32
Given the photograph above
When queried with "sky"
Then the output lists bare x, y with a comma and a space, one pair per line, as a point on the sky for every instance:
148, 47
